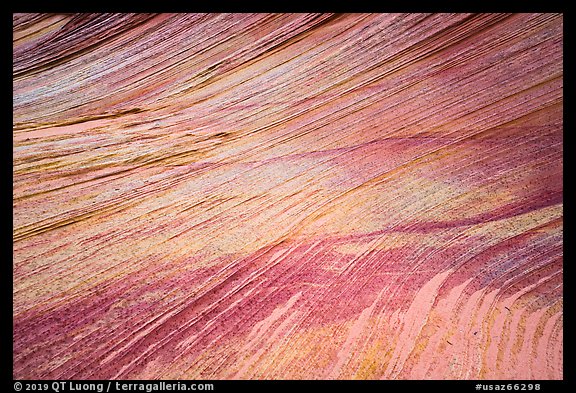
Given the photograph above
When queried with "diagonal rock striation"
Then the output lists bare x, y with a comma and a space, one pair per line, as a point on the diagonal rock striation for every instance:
287, 196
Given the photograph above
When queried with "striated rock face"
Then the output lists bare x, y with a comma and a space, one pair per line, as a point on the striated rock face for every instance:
287, 196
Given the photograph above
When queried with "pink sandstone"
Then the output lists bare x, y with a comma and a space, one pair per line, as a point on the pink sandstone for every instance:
288, 196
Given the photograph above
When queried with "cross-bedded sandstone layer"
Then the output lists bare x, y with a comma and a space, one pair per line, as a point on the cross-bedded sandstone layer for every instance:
287, 196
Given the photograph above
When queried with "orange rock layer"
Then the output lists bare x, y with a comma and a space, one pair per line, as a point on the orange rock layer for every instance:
287, 196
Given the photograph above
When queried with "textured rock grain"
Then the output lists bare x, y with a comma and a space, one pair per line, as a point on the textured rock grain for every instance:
287, 196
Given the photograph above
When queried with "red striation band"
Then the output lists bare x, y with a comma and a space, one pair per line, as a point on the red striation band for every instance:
288, 196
